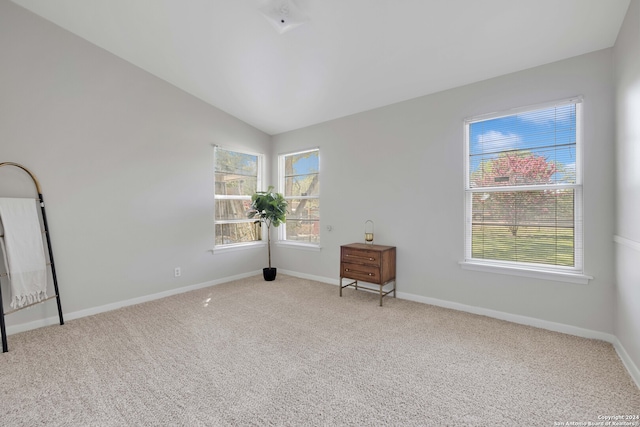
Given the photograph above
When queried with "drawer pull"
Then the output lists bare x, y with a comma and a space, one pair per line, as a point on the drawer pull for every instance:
360, 272
368, 258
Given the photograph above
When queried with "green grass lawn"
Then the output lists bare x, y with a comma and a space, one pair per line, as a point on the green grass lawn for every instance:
540, 245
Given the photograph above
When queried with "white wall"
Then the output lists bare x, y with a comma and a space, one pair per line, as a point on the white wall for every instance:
402, 166
125, 162
627, 73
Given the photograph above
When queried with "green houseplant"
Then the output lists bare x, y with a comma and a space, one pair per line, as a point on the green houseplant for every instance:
269, 208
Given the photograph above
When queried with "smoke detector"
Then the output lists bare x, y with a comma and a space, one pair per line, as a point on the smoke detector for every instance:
284, 15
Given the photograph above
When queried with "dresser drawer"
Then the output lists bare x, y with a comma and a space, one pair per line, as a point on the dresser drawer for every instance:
361, 256
372, 264
366, 273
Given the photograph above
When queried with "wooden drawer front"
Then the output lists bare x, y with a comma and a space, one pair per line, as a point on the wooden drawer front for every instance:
361, 256
362, 272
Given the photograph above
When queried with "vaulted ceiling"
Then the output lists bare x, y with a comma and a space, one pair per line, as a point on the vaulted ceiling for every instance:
350, 56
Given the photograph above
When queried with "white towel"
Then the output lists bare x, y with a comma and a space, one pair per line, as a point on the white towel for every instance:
24, 251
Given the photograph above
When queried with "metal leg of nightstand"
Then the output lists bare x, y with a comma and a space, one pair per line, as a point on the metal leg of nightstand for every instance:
354, 284
381, 295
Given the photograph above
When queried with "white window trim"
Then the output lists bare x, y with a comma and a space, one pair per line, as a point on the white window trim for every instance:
282, 241
563, 274
298, 245
556, 276
217, 249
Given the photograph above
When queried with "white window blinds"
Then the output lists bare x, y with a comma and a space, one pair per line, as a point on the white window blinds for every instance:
524, 189
237, 176
299, 175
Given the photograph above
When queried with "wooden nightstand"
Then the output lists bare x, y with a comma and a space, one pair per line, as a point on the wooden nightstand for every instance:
375, 264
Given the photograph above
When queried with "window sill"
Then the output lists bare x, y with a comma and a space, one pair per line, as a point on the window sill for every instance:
557, 276
238, 247
301, 246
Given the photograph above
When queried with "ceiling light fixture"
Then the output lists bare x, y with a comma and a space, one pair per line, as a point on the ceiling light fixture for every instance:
284, 15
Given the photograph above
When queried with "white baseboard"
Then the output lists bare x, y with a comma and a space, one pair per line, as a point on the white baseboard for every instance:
310, 277
627, 362
631, 367
14, 329
514, 318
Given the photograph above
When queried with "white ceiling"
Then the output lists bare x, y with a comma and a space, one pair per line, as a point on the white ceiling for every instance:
352, 55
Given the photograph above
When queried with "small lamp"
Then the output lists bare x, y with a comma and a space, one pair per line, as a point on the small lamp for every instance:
368, 232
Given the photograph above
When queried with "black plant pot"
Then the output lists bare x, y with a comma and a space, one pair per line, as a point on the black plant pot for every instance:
269, 274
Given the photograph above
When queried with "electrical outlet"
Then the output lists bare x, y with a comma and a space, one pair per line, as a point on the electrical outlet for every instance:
177, 272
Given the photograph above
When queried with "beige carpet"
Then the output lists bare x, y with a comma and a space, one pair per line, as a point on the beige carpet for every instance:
291, 352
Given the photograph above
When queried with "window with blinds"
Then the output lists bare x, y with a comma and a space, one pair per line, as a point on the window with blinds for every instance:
237, 176
299, 176
524, 188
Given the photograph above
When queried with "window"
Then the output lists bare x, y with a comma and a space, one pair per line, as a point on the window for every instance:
524, 188
300, 184
237, 176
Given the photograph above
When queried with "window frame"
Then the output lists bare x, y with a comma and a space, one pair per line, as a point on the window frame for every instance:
282, 230
260, 162
574, 274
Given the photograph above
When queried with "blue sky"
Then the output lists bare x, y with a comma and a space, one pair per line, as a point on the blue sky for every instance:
306, 165
550, 133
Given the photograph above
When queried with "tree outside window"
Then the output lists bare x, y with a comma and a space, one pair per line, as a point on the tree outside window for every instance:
237, 176
522, 189
300, 184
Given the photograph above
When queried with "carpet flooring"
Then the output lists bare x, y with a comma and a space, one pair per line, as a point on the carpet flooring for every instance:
292, 353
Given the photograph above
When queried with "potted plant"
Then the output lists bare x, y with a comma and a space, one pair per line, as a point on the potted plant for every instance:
270, 208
